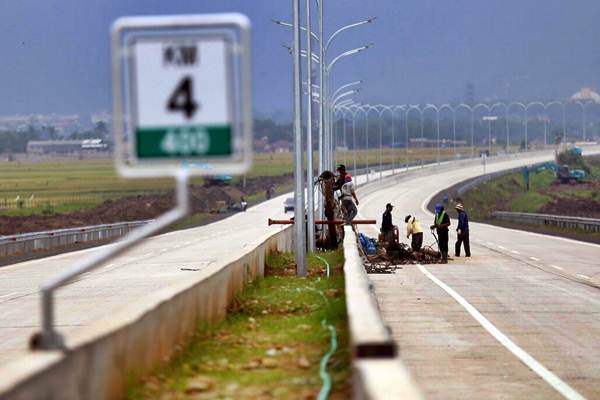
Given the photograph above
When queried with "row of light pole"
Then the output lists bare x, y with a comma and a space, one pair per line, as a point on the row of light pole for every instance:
380, 110
326, 102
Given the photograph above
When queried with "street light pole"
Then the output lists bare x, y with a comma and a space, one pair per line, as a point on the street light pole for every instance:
321, 98
310, 217
299, 231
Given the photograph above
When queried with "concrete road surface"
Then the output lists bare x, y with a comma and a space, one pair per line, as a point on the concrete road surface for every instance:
520, 319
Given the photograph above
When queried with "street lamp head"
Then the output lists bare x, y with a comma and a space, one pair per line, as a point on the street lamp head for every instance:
371, 19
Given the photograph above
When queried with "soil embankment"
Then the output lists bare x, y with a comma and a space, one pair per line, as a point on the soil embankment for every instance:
203, 199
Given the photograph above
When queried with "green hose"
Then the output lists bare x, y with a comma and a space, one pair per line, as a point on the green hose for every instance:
326, 388
326, 265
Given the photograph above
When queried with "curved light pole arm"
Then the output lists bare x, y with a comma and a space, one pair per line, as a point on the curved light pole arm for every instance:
345, 87
345, 54
345, 28
283, 23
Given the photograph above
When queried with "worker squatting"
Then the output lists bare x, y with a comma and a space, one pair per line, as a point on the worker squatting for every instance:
440, 226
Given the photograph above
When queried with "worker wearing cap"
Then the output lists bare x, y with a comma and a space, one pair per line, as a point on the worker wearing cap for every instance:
387, 226
347, 195
462, 232
441, 222
413, 227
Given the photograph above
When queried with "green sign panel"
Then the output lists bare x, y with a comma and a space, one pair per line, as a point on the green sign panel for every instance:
174, 142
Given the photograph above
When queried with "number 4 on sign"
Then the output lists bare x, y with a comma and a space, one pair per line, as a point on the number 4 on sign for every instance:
182, 99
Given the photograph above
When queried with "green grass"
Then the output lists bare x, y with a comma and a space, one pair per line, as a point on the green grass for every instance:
76, 184
270, 344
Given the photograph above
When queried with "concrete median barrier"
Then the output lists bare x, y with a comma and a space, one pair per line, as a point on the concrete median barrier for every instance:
103, 358
377, 371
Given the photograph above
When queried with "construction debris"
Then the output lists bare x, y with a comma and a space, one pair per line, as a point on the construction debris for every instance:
386, 260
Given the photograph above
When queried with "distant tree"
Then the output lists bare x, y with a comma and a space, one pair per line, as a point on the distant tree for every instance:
101, 129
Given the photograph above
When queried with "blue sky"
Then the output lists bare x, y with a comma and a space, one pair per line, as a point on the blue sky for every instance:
56, 52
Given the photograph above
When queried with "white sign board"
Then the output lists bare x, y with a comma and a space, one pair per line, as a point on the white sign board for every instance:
182, 94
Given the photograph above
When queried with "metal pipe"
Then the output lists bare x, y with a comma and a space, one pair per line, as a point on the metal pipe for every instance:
49, 338
322, 99
310, 212
299, 231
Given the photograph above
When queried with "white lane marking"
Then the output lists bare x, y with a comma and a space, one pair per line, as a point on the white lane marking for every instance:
147, 254
583, 276
515, 252
187, 243
501, 247
490, 243
556, 267
177, 246
553, 380
534, 258
7, 295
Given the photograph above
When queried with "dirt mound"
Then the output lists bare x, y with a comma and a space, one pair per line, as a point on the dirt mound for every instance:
573, 207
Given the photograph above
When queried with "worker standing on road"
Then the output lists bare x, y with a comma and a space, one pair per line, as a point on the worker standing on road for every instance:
462, 232
348, 194
413, 227
441, 222
387, 226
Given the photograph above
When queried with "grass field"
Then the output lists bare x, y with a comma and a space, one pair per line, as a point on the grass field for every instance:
507, 193
271, 344
27, 188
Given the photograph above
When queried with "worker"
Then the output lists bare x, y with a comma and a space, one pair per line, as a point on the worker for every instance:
441, 222
462, 232
243, 204
413, 227
348, 194
341, 180
387, 226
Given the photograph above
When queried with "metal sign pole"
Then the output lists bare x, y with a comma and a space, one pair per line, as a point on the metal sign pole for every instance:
299, 225
49, 338
182, 106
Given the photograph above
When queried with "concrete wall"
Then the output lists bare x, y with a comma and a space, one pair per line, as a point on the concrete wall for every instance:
377, 371
102, 358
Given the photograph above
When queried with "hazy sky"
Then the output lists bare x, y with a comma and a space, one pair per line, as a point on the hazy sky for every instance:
55, 53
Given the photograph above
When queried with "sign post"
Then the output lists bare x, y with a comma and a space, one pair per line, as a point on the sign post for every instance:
182, 107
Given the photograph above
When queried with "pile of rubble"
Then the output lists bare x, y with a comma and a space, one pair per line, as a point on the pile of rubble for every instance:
387, 260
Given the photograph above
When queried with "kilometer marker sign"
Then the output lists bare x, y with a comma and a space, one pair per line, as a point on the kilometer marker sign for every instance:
182, 94
182, 103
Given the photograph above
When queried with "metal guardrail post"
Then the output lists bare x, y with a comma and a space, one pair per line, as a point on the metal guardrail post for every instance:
49, 338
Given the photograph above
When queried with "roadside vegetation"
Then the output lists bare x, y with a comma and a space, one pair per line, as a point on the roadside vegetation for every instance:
545, 196
271, 344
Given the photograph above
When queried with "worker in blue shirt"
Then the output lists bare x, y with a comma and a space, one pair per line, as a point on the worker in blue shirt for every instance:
462, 232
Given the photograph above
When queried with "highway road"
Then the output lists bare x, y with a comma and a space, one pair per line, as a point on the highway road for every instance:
158, 262
547, 305
519, 319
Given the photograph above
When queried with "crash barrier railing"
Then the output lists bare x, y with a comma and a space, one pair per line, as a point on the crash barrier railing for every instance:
377, 371
104, 357
559, 221
27, 243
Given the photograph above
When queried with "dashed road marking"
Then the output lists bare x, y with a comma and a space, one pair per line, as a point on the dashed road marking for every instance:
553, 380
556, 267
515, 252
534, 258
501, 247
583, 276
7, 295
490, 243
187, 243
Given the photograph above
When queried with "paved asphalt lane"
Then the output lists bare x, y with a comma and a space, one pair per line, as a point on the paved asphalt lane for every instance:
519, 319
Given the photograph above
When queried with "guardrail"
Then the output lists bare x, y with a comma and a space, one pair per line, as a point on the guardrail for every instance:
377, 372
560, 221
37, 241
484, 178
